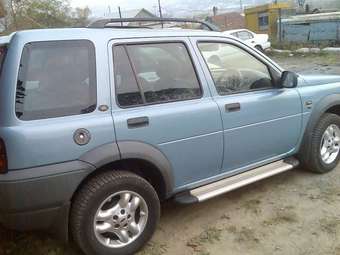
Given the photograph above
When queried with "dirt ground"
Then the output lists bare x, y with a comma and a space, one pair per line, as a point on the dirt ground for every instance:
295, 213
311, 63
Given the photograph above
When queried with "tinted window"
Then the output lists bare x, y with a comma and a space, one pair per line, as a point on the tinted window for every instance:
56, 79
233, 69
161, 73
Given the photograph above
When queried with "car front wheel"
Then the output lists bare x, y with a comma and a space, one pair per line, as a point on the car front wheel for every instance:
114, 213
259, 47
324, 152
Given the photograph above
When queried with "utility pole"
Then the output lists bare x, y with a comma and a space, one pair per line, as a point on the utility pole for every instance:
280, 25
120, 15
160, 12
241, 6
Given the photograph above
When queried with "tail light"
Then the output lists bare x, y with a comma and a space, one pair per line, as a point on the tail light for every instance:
3, 158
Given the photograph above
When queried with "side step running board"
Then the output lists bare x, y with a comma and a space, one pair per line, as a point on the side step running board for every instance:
226, 185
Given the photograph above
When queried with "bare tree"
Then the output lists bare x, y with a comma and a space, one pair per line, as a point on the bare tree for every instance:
30, 14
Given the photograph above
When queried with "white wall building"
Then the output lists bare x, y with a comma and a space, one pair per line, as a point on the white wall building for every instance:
321, 4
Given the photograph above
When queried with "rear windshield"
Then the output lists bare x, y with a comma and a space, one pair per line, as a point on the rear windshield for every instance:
3, 51
56, 79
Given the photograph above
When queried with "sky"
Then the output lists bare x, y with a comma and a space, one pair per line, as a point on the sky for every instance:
100, 7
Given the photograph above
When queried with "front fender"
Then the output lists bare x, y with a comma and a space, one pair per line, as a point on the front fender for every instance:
318, 110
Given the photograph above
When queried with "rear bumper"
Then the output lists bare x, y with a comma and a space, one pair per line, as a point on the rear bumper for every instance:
39, 198
52, 220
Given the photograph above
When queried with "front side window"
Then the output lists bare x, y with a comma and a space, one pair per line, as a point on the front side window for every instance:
56, 79
154, 73
233, 69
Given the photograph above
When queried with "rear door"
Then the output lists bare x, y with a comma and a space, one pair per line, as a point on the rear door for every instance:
162, 100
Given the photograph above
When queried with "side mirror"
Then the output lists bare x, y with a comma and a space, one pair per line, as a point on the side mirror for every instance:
289, 79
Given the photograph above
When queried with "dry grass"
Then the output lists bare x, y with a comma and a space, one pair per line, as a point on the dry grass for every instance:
209, 236
154, 248
282, 216
12, 243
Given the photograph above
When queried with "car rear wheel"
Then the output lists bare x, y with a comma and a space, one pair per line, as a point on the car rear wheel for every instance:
324, 152
114, 213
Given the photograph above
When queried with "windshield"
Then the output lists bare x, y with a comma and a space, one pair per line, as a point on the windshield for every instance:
3, 50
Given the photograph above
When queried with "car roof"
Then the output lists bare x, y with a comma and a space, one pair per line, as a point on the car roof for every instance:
236, 30
106, 33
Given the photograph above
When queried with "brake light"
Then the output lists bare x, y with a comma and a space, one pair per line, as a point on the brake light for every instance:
3, 158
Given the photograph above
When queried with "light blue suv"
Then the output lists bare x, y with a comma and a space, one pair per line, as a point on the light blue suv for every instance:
98, 125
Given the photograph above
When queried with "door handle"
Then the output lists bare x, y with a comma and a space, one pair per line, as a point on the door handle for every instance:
138, 122
235, 107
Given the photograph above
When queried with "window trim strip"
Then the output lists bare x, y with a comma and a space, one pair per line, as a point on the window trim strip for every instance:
133, 68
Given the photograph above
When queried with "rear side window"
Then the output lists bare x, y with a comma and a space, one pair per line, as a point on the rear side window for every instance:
154, 73
56, 79
244, 35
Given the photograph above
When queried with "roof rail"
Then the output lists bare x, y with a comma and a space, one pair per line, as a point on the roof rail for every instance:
103, 23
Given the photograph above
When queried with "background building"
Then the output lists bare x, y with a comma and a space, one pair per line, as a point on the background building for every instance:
321, 5
264, 18
312, 28
228, 21
138, 13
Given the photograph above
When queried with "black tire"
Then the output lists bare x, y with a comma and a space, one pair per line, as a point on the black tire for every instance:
310, 155
259, 47
90, 197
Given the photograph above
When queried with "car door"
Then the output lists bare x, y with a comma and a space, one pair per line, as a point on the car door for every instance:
261, 122
162, 100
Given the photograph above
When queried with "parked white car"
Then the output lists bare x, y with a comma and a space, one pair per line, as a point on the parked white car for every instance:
259, 41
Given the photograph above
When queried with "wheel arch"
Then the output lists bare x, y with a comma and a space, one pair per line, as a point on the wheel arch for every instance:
137, 157
259, 47
329, 104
